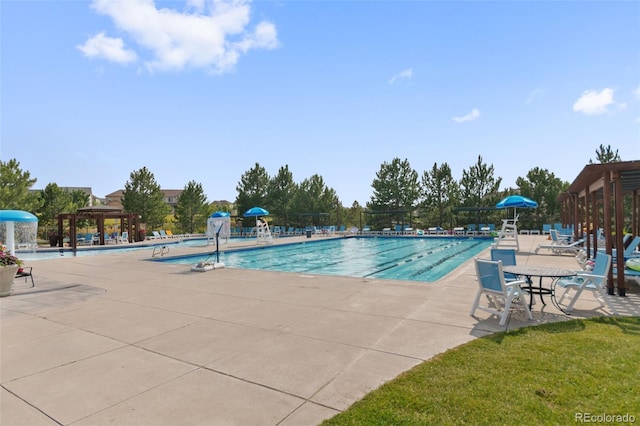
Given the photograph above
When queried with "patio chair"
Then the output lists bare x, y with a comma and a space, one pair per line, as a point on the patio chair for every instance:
594, 281
22, 272
508, 258
87, 240
491, 283
123, 238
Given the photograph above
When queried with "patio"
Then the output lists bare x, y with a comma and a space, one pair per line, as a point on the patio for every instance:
114, 339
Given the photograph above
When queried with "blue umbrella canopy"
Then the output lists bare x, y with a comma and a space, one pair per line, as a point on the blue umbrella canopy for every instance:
517, 201
256, 211
17, 216
220, 214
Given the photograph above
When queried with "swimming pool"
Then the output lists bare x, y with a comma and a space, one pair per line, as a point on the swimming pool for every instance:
415, 259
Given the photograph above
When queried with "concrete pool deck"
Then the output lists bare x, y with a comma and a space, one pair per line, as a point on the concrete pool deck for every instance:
114, 339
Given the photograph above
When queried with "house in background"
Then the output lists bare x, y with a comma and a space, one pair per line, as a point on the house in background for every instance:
114, 199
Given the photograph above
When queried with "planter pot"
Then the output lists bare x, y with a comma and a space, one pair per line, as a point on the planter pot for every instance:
7, 275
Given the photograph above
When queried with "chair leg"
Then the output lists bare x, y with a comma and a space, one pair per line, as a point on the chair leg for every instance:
523, 300
476, 301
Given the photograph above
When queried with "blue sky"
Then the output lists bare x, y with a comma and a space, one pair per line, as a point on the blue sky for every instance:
202, 90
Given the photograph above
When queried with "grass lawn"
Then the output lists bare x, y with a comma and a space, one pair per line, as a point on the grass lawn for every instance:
546, 374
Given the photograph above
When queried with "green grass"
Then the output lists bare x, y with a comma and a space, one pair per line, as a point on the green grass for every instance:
534, 375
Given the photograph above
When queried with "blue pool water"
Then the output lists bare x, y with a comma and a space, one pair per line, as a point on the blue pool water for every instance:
416, 259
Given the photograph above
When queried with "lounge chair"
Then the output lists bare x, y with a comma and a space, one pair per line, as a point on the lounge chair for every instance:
502, 294
594, 281
558, 246
123, 238
87, 240
629, 251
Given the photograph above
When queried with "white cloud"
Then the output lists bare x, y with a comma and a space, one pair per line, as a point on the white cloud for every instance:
637, 93
406, 74
111, 49
593, 102
473, 115
211, 34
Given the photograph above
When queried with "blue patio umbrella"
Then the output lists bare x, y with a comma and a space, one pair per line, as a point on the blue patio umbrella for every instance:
517, 201
255, 212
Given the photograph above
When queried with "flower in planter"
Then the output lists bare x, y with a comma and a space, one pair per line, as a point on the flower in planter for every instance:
7, 259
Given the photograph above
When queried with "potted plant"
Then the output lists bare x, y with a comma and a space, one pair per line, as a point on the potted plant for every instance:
9, 265
53, 239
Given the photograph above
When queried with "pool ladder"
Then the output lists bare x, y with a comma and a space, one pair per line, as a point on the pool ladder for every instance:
160, 251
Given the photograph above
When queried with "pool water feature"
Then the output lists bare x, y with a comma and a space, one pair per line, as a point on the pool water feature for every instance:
415, 259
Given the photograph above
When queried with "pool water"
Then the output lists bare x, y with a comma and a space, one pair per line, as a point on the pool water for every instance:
415, 259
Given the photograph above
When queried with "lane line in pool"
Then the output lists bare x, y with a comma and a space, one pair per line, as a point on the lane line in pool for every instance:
312, 250
444, 259
411, 259
364, 256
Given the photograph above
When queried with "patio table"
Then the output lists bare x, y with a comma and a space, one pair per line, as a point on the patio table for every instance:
530, 271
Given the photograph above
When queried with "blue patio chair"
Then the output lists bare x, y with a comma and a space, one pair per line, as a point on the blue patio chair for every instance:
508, 258
546, 228
500, 293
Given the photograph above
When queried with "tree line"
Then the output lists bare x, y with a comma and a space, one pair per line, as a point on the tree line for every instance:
400, 195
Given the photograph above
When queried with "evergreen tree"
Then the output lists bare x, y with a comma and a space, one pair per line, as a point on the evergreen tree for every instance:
606, 155
440, 193
142, 195
395, 189
280, 195
192, 208
14, 188
252, 189
315, 198
478, 186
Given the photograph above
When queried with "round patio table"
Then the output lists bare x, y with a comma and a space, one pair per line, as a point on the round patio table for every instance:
530, 271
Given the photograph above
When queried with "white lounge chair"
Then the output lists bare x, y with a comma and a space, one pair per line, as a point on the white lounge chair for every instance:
558, 246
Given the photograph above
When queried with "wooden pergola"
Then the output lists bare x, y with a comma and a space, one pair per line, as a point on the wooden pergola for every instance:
595, 200
128, 222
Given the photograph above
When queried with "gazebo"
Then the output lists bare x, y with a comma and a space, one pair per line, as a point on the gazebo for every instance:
128, 221
595, 200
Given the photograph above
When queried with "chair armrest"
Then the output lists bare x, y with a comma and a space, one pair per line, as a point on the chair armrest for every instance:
589, 275
515, 283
